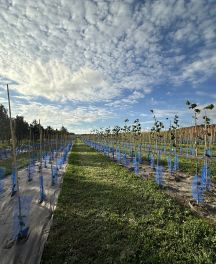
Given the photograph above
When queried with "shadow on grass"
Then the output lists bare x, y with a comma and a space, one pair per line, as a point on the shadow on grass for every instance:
100, 224
88, 158
82, 148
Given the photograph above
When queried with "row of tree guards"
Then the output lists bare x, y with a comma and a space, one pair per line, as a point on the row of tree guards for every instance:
49, 166
173, 148
132, 156
52, 149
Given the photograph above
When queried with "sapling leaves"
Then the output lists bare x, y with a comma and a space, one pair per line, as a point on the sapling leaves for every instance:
209, 107
192, 106
188, 102
136, 128
156, 128
197, 110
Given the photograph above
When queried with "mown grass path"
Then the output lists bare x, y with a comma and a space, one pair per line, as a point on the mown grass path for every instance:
105, 214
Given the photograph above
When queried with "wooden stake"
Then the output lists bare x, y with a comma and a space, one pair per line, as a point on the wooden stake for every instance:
15, 160
41, 158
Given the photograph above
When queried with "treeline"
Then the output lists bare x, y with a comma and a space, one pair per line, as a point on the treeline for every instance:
24, 130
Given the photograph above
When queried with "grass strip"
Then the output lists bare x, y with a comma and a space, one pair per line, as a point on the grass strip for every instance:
105, 214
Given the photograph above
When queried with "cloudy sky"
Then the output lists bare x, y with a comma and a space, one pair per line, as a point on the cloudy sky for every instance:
93, 63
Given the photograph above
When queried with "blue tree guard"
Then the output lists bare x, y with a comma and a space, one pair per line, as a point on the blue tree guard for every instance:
197, 189
176, 163
152, 161
20, 226
64, 157
139, 156
126, 161
42, 193
113, 152
59, 163
136, 166
46, 159
2, 175
159, 175
158, 157
192, 151
208, 153
118, 155
55, 153
13, 186
51, 156
54, 174
206, 177
169, 163
30, 170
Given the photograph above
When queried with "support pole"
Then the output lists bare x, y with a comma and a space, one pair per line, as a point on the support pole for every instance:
21, 224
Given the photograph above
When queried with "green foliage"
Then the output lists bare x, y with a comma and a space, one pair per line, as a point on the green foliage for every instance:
4, 122
22, 161
23, 129
136, 128
116, 130
172, 129
126, 128
156, 129
209, 107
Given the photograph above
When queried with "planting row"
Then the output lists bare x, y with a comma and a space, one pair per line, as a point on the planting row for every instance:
161, 162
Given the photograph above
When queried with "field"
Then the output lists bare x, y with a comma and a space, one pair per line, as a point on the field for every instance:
106, 214
107, 132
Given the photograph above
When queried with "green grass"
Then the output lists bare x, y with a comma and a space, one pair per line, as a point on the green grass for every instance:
105, 214
22, 161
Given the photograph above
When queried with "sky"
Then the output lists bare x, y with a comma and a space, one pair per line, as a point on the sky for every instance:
87, 64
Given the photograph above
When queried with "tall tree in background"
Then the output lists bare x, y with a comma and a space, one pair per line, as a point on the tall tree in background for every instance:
4, 124
21, 129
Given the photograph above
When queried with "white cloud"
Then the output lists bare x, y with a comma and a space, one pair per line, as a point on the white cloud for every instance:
118, 41
130, 100
56, 116
3, 100
187, 32
55, 81
210, 113
201, 93
211, 95
199, 70
169, 113
99, 51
